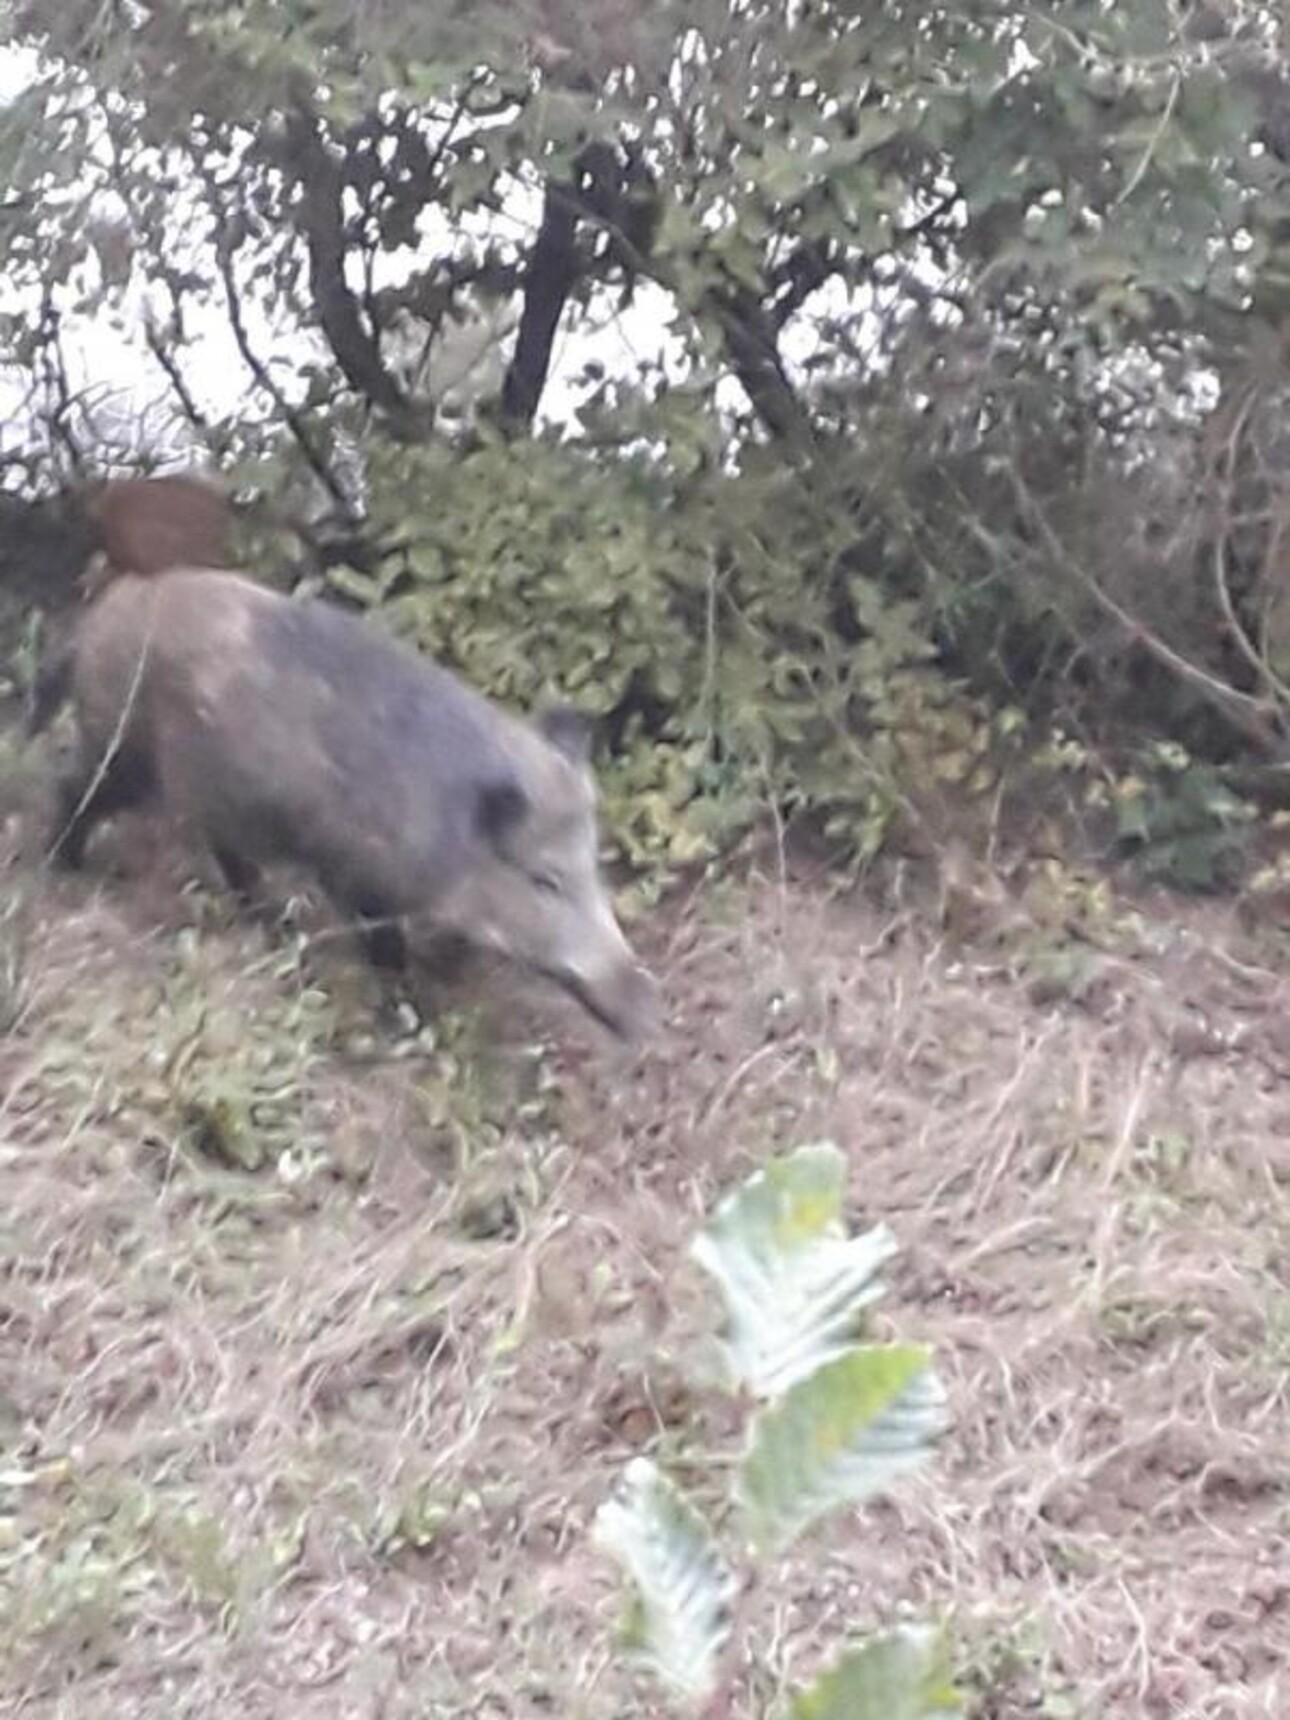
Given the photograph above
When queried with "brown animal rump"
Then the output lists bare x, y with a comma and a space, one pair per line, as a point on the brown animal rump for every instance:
146, 525
137, 525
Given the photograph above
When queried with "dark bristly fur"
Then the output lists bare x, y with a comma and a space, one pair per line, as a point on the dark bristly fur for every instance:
50, 688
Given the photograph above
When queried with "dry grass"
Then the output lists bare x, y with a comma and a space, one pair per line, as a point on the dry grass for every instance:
323, 1438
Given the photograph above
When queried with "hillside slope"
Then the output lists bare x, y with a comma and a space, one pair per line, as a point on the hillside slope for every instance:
319, 1346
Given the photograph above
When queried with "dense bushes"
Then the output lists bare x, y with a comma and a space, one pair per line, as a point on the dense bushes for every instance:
728, 618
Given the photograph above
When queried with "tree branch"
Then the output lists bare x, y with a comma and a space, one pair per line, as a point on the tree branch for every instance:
179, 385
294, 420
748, 330
550, 277
1249, 716
57, 384
613, 191
322, 222
798, 276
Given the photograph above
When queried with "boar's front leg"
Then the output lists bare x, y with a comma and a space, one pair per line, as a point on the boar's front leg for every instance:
241, 876
381, 933
377, 922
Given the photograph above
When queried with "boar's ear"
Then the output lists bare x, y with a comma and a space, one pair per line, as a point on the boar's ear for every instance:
568, 731
500, 810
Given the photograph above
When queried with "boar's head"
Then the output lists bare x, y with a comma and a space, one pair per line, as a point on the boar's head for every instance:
535, 891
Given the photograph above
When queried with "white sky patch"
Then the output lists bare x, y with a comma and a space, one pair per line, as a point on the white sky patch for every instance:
18, 68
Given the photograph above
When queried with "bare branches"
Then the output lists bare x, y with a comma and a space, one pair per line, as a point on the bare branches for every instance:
58, 388
169, 363
1252, 717
295, 421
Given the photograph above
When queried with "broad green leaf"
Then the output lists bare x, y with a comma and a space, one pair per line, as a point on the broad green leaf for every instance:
795, 1285
838, 1438
679, 1619
899, 1676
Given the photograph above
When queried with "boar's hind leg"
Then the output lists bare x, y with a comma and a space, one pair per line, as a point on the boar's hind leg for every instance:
91, 793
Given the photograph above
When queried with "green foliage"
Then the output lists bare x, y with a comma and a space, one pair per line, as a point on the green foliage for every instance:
234, 1087
1180, 818
1174, 814
698, 618
680, 1615
538, 576
839, 1421
900, 1676
795, 1285
669, 804
92, 1552
838, 1437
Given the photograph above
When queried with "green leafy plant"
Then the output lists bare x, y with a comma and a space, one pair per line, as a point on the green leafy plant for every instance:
836, 1421
703, 636
1180, 818
15, 960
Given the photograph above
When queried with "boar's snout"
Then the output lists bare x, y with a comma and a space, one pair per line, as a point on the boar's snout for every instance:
624, 997
598, 966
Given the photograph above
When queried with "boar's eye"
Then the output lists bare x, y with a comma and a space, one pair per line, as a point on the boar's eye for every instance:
548, 883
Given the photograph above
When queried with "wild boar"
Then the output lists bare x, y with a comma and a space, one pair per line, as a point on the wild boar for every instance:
281, 730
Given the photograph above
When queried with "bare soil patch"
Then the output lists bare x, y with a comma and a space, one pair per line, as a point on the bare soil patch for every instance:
321, 1435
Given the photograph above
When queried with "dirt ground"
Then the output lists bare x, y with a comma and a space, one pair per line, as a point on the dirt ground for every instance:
320, 1346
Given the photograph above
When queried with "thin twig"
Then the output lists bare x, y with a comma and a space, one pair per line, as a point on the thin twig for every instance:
115, 740
291, 417
1244, 644
1248, 713
1153, 143
175, 376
